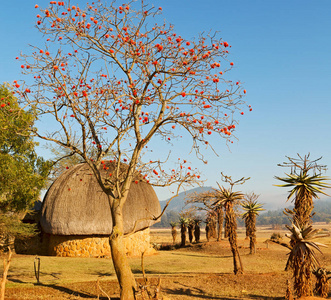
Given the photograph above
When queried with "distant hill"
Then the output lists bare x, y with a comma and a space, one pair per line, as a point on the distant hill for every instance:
178, 203
322, 210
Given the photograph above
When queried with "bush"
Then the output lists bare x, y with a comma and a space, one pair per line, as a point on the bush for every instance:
276, 236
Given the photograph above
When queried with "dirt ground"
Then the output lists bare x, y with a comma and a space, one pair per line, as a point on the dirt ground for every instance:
183, 287
250, 285
267, 283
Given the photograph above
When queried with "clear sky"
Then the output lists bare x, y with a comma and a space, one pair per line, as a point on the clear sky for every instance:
282, 53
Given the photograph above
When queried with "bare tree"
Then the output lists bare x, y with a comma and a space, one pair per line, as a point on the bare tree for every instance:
111, 80
208, 199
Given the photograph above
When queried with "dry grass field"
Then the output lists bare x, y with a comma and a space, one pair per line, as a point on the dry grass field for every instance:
198, 271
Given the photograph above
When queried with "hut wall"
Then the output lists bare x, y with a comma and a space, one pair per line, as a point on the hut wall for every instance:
87, 246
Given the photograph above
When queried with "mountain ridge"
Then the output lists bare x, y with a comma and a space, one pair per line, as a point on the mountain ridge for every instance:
178, 203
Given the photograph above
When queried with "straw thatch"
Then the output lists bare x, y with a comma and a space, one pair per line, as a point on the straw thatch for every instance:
76, 205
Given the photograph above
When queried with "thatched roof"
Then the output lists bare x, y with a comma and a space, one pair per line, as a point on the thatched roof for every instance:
76, 205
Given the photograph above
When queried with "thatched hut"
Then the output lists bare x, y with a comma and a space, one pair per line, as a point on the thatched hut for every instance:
76, 220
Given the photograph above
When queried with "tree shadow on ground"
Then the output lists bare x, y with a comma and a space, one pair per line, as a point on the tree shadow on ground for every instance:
199, 293
201, 255
72, 292
16, 280
102, 274
13, 278
258, 297
196, 293
192, 292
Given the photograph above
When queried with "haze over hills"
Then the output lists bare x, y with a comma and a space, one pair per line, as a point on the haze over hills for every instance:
177, 204
271, 216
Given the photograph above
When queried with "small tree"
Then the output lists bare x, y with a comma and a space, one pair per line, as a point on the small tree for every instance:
23, 173
228, 199
183, 228
210, 226
173, 231
322, 282
197, 230
252, 209
190, 229
207, 199
220, 219
113, 81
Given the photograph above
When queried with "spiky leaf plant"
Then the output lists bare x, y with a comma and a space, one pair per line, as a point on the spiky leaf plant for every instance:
228, 199
197, 231
252, 209
173, 231
322, 282
304, 186
302, 257
183, 226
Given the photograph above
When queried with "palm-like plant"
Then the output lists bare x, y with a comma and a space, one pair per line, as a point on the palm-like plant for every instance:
322, 282
302, 258
183, 226
252, 209
220, 218
207, 199
228, 199
304, 186
190, 229
197, 222
173, 231
210, 225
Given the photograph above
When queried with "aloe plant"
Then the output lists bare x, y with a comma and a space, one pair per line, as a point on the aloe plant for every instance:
252, 209
302, 257
322, 282
173, 231
304, 186
183, 227
228, 199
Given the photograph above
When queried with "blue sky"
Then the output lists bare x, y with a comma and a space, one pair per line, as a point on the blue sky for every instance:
282, 53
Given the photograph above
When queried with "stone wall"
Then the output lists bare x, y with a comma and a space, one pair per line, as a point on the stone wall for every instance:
87, 246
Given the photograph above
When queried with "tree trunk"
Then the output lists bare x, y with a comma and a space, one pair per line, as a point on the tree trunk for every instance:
183, 235
302, 274
121, 264
207, 232
252, 243
231, 226
237, 268
213, 228
303, 207
174, 234
197, 233
237, 265
190, 233
6, 264
220, 219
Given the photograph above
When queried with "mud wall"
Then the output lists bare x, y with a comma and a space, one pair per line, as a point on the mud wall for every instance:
86, 246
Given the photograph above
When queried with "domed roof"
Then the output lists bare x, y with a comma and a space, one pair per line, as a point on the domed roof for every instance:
76, 205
